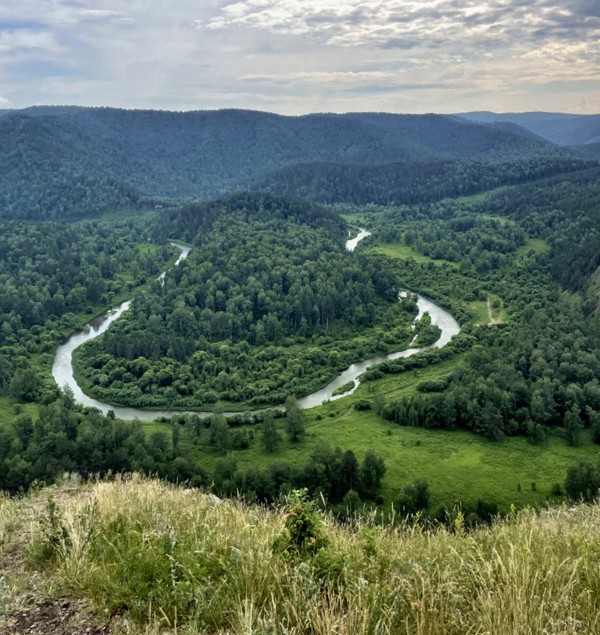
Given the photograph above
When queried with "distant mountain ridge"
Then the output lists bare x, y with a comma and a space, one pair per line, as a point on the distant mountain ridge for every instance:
560, 128
591, 150
70, 161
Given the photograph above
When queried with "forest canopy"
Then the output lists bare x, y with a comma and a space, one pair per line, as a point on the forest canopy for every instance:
268, 304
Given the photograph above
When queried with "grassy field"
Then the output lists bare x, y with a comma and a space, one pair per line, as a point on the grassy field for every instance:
404, 252
533, 245
355, 218
142, 557
9, 407
120, 216
458, 465
489, 311
482, 196
478, 309
503, 220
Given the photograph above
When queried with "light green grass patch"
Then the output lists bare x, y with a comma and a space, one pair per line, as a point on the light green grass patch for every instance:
496, 312
458, 465
404, 252
533, 246
355, 218
489, 311
481, 197
8, 410
398, 385
478, 309
117, 217
503, 220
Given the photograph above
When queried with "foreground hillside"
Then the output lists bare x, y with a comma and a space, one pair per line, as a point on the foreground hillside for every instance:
139, 556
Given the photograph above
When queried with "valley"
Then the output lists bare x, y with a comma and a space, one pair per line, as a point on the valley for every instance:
242, 362
299, 317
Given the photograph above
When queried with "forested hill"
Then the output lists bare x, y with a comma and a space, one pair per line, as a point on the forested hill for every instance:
194, 222
67, 161
269, 304
591, 150
560, 128
407, 183
565, 212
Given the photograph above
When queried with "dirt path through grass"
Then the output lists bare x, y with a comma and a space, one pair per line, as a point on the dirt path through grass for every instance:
491, 318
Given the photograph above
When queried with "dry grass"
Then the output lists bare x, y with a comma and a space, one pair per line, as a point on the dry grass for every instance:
165, 559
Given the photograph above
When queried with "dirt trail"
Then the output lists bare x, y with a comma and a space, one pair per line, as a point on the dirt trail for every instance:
491, 318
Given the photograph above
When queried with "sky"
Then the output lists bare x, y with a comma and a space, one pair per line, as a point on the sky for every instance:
300, 56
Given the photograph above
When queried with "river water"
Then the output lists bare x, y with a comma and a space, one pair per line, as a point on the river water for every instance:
62, 368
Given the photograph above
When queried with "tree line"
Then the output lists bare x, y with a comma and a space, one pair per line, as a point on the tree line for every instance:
407, 183
66, 438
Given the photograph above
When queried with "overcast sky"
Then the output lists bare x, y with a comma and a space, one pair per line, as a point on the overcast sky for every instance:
299, 56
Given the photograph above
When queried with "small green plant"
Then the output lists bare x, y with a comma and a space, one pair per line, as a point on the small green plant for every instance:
52, 538
302, 535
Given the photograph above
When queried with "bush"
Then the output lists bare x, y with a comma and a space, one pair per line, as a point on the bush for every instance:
302, 534
434, 385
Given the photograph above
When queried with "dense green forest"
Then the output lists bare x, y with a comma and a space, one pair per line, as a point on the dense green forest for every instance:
566, 213
493, 224
406, 183
591, 150
64, 438
268, 304
55, 277
51, 172
540, 369
566, 129
78, 162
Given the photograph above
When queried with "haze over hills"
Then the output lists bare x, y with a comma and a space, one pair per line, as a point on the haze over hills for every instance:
591, 150
67, 161
559, 128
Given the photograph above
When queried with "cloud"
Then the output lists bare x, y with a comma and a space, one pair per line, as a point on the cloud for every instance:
301, 55
26, 40
57, 13
407, 24
339, 81
77, 15
584, 8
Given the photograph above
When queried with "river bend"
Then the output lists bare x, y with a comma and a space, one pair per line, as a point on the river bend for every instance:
62, 368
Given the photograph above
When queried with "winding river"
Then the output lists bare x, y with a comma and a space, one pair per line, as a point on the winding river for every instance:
62, 368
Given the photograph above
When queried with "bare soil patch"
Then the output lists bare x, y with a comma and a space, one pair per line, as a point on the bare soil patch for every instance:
60, 617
